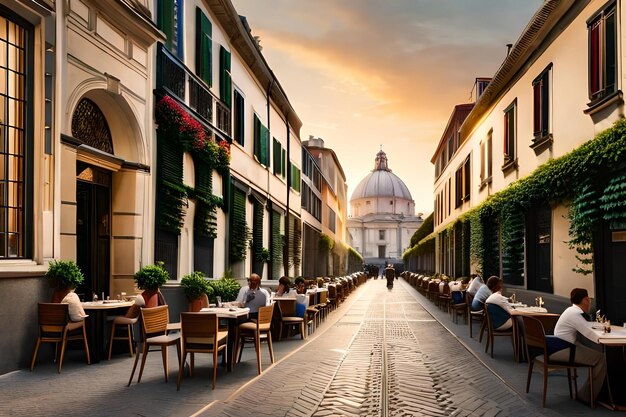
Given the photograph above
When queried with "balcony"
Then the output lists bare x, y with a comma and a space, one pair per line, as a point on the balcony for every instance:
179, 82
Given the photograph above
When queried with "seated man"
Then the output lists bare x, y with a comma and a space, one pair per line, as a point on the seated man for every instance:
501, 318
484, 291
475, 284
568, 327
300, 285
253, 296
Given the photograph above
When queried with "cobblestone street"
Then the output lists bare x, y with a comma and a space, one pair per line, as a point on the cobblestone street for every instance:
382, 353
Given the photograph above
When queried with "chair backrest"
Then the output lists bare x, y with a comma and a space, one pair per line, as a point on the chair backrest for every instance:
457, 297
264, 320
332, 291
445, 288
287, 307
198, 327
496, 315
154, 320
53, 314
535, 337
323, 297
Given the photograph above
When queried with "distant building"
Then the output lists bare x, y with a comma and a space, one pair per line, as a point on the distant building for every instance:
383, 217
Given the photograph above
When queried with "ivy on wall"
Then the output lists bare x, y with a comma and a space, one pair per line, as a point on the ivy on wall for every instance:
591, 177
177, 133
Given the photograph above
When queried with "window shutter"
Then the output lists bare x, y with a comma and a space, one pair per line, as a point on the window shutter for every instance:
225, 80
265, 141
257, 238
165, 20
276, 149
544, 102
282, 163
239, 118
277, 245
204, 47
238, 226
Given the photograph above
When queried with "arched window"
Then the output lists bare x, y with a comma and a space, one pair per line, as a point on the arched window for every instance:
90, 126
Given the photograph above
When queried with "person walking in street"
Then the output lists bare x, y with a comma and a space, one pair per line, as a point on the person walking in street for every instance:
390, 274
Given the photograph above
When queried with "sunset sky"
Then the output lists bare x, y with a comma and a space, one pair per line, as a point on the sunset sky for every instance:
366, 73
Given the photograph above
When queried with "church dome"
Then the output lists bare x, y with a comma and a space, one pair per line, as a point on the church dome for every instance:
381, 182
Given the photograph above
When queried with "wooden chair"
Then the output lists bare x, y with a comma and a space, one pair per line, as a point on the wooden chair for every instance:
200, 333
257, 332
443, 299
56, 327
332, 297
286, 317
458, 304
154, 329
537, 351
127, 324
492, 333
475, 315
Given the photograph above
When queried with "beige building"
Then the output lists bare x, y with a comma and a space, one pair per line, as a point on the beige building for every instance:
532, 181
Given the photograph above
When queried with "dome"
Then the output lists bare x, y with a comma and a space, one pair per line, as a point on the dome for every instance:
381, 182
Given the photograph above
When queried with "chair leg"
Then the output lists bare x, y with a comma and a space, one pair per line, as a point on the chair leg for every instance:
269, 345
143, 362
531, 362
111, 340
257, 347
130, 340
569, 381
591, 387
545, 385
483, 327
471, 325
302, 330
165, 365
32, 362
62, 351
130, 380
87, 354
214, 365
181, 369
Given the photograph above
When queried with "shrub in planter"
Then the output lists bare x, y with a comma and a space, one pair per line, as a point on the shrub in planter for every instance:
227, 288
149, 279
63, 276
197, 290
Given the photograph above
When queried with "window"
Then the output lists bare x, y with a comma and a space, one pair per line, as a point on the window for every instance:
541, 104
510, 133
602, 53
381, 235
15, 139
204, 47
169, 18
462, 183
239, 119
294, 178
225, 80
261, 142
279, 158
486, 148
331, 220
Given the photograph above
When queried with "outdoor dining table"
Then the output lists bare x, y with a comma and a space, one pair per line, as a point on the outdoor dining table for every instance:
96, 328
517, 311
614, 344
234, 316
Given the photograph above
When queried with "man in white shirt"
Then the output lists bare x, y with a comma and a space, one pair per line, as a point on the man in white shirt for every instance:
476, 283
568, 327
501, 320
253, 296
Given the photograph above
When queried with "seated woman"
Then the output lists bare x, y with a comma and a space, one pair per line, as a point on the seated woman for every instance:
283, 289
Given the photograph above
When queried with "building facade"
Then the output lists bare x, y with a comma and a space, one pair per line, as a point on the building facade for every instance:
382, 215
533, 193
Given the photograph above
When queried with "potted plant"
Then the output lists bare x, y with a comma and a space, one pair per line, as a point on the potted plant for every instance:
197, 290
149, 279
63, 276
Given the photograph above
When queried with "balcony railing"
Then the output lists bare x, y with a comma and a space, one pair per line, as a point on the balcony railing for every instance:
174, 77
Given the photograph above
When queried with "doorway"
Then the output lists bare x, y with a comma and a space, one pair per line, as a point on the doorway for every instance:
93, 229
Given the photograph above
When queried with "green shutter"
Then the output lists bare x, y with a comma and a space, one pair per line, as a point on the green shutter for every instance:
239, 231
265, 141
277, 245
165, 20
257, 237
225, 80
276, 152
204, 47
283, 169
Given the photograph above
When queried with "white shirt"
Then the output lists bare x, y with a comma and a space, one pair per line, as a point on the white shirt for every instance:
475, 285
255, 302
75, 308
500, 300
571, 323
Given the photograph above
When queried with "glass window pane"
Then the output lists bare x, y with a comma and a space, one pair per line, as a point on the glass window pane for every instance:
15, 168
3, 51
3, 244
16, 59
15, 140
14, 245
